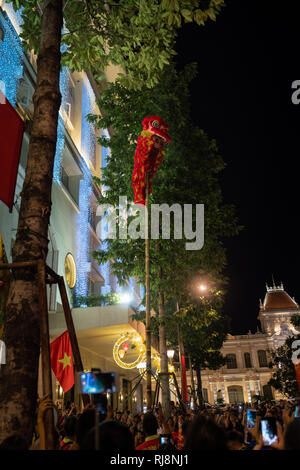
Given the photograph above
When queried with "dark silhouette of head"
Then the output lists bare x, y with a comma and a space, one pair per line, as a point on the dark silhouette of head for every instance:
70, 426
150, 424
14, 442
85, 422
204, 434
292, 435
113, 437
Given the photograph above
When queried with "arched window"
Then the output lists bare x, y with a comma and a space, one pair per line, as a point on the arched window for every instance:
231, 361
247, 360
262, 358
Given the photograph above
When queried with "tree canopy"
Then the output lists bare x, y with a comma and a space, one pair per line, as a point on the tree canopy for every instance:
284, 376
137, 35
188, 175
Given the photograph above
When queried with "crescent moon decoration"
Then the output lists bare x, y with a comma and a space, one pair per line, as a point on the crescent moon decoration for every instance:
139, 346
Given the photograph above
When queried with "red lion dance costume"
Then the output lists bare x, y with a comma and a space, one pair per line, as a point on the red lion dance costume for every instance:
148, 155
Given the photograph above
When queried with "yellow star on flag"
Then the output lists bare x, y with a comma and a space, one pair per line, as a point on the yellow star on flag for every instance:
66, 361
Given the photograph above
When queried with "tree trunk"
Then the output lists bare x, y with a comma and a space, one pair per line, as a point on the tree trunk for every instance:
18, 378
199, 386
165, 389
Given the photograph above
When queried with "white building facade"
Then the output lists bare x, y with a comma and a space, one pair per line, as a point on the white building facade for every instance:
247, 373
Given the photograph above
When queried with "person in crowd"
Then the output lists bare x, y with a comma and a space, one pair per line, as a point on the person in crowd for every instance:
204, 434
14, 442
235, 441
85, 422
114, 436
291, 438
150, 426
69, 431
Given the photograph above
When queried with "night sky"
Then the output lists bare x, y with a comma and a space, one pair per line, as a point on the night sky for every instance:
247, 61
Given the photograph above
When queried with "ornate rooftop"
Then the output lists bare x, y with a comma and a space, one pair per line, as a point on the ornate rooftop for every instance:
277, 298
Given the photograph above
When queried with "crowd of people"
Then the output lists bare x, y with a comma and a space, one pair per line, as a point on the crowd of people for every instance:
207, 428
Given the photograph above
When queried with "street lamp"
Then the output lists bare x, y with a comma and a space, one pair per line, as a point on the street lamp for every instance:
170, 354
125, 298
203, 287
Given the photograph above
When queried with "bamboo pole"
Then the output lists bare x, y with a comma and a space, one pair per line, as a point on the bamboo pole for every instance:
147, 273
45, 353
72, 334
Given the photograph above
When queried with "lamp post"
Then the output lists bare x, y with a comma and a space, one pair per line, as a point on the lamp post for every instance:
170, 354
203, 288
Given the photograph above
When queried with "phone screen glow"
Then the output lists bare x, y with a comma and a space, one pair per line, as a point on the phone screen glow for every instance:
251, 417
268, 433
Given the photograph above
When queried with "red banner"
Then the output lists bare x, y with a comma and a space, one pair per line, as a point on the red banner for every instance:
297, 370
11, 135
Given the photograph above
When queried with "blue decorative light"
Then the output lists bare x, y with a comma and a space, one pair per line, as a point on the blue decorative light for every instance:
64, 83
16, 16
11, 59
82, 233
105, 273
60, 143
88, 139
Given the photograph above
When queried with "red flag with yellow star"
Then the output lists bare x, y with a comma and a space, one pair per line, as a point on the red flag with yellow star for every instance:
62, 361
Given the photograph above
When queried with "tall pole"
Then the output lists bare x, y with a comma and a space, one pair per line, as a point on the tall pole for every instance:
72, 333
147, 272
45, 352
184, 393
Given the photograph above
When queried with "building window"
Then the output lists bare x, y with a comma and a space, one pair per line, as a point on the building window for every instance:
205, 394
231, 361
262, 358
247, 360
267, 392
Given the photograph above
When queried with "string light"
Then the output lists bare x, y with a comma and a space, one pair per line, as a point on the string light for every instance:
82, 261
15, 16
11, 59
64, 85
88, 139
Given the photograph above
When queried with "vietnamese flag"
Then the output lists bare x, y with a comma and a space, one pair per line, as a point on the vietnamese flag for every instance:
62, 361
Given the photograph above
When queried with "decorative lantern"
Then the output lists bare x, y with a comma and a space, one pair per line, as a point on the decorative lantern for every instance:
125, 347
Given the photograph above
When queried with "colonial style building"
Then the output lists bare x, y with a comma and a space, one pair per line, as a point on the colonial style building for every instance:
247, 372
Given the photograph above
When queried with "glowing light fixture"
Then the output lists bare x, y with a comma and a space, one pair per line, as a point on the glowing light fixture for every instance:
118, 350
125, 298
170, 353
203, 287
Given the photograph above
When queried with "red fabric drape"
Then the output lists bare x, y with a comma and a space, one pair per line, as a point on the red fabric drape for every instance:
11, 135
